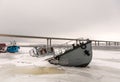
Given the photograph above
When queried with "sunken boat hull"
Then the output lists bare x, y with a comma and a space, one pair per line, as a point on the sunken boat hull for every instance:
78, 56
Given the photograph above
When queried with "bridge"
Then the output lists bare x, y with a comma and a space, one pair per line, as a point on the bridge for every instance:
50, 39
105, 43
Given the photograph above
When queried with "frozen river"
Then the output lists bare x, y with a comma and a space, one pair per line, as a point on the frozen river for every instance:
21, 67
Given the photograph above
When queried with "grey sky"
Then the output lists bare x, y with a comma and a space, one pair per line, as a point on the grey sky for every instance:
95, 19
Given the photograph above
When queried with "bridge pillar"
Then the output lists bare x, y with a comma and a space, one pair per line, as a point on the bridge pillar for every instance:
98, 43
109, 43
114, 43
106, 43
49, 43
117, 43
95, 43
77, 42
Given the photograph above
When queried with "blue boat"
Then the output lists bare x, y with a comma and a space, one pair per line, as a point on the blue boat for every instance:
13, 49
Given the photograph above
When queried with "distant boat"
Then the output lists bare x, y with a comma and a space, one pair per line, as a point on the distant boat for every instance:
41, 51
80, 55
13, 47
2, 47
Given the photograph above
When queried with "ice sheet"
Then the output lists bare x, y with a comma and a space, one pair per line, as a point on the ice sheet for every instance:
105, 67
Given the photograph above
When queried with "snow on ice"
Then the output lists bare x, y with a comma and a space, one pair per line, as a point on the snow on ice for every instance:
21, 67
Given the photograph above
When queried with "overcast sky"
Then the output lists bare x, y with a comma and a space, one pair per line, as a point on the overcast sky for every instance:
94, 19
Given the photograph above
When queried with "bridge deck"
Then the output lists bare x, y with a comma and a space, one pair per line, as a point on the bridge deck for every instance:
49, 39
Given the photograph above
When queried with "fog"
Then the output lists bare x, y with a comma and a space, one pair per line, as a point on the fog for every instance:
94, 19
